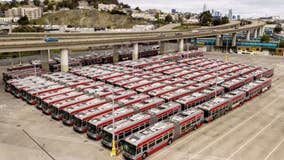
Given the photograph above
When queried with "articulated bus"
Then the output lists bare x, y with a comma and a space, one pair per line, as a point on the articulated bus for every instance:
80, 119
215, 108
95, 125
125, 127
132, 99
237, 98
151, 87
56, 110
145, 142
69, 112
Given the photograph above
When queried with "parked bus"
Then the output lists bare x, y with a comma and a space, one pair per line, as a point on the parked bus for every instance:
69, 112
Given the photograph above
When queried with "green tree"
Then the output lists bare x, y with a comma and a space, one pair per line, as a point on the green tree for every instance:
45, 2
265, 38
205, 18
278, 28
281, 44
23, 21
137, 9
168, 18
216, 21
36, 2
224, 20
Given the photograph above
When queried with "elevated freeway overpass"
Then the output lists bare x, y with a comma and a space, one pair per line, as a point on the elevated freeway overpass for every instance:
69, 41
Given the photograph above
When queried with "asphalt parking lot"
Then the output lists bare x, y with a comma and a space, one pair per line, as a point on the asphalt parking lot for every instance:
254, 131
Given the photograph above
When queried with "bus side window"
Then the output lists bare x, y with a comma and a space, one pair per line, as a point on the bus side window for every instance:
120, 136
138, 150
151, 144
145, 147
127, 133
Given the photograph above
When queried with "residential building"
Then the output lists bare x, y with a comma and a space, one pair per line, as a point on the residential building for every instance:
30, 12
106, 7
143, 15
83, 5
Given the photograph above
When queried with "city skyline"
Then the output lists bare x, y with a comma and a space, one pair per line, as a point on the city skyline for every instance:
245, 8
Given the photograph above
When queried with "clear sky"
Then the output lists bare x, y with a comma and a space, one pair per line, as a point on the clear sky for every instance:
246, 8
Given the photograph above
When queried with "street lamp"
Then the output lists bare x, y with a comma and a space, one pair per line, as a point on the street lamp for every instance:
113, 149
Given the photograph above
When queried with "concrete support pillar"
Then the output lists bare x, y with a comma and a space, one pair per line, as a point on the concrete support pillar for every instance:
218, 40
45, 56
162, 45
255, 34
248, 35
115, 55
64, 60
135, 54
180, 45
221, 40
261, 30
234, 39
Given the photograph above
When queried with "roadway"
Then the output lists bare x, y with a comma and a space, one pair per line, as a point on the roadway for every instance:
254, 131
34, 45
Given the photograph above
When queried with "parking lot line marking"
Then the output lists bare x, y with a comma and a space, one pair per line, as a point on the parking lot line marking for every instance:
232, 129
274, 149
252, 138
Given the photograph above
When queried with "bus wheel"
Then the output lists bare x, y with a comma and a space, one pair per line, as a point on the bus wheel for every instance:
195, 127
144, 156
170, 141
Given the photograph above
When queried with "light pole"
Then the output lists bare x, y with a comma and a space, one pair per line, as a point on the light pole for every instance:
113, 149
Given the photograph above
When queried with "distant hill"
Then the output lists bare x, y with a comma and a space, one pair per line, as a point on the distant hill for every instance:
88, 18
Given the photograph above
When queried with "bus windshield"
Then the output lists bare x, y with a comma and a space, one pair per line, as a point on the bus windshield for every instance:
107, 136
91, 128
129, 148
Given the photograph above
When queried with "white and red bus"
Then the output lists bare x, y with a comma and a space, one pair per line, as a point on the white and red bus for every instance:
171, 96
187, 121
95, 125
237, 98
56, 108
138, 84
204, 78
120, 95
214, 91
132, 99
120, 78
145, 142
80, 119
128, 81
165, 110
173, 81
215, 108
162, 91
252, 89
265, 83
103, 91
192, 100
125, 127
161, 78
89, 85
151, 87
155, 66
69, 112
25, 90
31, 95
232, 84
184, 84
39, 98
148, 104
46, 104
198, 87
110, 76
